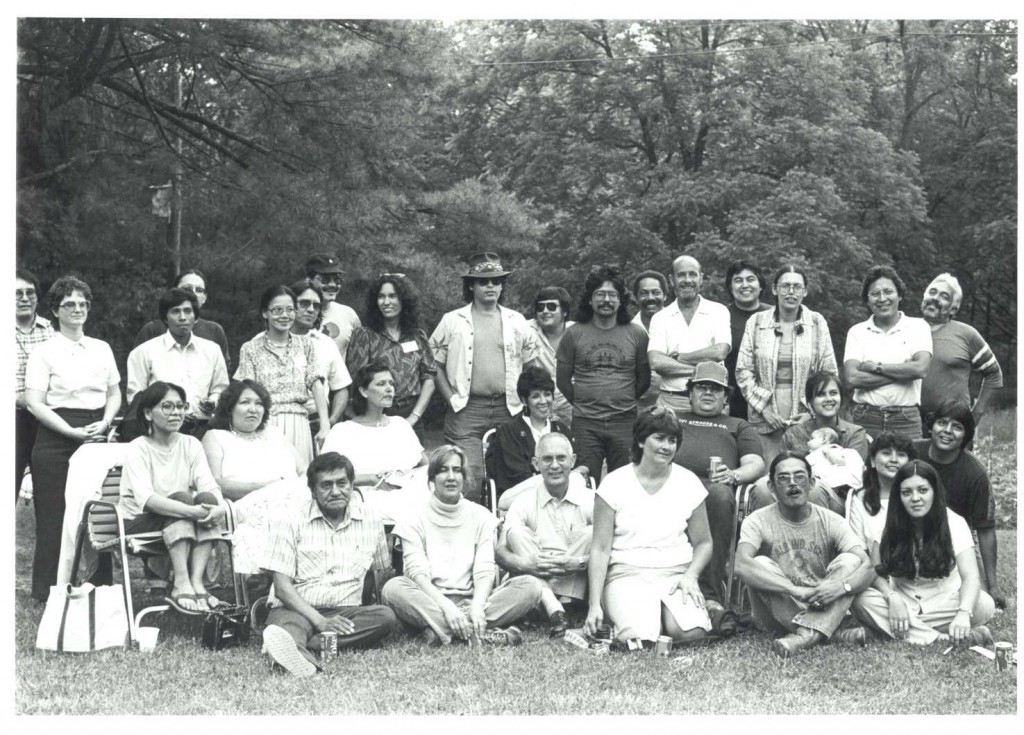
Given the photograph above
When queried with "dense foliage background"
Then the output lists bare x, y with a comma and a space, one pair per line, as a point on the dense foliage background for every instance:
405, 146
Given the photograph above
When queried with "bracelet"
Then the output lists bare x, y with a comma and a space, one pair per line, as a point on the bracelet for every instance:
890, 594
970, 613
416, 414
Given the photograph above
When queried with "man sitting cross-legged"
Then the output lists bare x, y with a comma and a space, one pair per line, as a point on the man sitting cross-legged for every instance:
319, 557
549, 527
802, 563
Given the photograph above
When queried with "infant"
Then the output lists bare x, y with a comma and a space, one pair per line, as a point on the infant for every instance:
841, 469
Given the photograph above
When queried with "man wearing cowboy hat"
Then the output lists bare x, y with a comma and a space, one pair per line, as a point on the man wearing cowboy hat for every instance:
338, 320
480, 349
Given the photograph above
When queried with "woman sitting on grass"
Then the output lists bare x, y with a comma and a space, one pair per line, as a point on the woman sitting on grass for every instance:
166, 486
651, 541
448, 589
928, 587
866, 508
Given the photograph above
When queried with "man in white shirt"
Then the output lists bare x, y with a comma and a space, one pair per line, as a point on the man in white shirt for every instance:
324, 269
887, 395
178, 356
690, 330
549, 528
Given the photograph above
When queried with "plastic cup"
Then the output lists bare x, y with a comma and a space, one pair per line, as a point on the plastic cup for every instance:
147, 638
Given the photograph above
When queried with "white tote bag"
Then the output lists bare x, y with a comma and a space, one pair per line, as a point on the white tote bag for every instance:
81, 619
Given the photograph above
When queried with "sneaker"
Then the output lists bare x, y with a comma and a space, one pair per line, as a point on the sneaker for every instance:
559, 624
510, 636
850, 637
790, 645
282, 649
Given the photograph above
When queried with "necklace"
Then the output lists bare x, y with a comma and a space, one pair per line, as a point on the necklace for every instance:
249, 436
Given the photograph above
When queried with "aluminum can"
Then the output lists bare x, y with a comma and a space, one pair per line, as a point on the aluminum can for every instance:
714, 464
1003, 650
663, 646
603, 633
328, 645
600, 648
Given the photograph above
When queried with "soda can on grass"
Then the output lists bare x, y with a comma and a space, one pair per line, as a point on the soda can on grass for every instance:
328, 645
663, 647
1003, 652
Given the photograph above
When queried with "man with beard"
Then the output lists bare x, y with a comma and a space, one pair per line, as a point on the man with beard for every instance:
649, 289
690, 330
958, 351
338, 320
602, 371
744, 281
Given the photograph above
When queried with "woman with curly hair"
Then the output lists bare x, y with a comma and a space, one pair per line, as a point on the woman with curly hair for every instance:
928, 586
392, 335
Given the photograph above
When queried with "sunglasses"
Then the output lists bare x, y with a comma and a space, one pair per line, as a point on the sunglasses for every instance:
309, 304
547, 306
490, 281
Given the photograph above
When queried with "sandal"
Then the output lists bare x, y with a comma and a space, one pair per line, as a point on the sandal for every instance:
176, 603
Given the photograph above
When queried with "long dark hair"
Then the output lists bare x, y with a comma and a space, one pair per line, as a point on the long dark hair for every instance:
598, 275
871, 494
899, 549
408, 317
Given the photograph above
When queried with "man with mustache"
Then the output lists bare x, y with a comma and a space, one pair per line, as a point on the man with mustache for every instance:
802, 563
968, 490
602, 370
337, 319
690, 330
709, 432
745, 282
649, 290
958, 352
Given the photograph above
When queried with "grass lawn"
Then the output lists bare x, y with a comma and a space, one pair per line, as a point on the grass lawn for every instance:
738, 676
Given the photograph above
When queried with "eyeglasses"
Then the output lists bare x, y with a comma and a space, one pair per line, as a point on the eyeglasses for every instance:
171, 407
193, 289
328, 277
885, 293
708, 387
309, 304
606, 295
76, 305
789, 288
797, 478
490, 281
547, 306
24, 293
281, 310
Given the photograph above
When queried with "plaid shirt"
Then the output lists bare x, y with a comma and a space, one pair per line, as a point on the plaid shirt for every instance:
25, 342
328, 565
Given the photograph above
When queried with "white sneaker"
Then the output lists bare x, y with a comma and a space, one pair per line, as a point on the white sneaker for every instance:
281, 646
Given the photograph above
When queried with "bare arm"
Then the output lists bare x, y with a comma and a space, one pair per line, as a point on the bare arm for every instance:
597, 570
426, 391
667, 367
284, 590
442, 384
716, 353
989, 551
338, 403
760, 577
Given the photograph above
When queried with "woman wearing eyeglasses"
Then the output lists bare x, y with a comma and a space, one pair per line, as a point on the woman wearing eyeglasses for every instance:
71, 387
392, 335
166, 486
309, 302
286, 365
780, 349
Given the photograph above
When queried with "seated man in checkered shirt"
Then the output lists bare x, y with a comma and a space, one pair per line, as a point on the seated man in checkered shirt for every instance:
319, 557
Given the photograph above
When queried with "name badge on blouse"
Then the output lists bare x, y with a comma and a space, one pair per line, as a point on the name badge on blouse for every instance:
410, 346
300, 361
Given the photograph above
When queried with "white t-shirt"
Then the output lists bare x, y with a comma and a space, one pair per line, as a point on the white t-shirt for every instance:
908, 336
868, 528
650, 530
331, 364
929, 589
338, 322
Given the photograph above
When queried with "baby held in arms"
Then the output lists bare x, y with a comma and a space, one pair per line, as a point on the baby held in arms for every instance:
839, 468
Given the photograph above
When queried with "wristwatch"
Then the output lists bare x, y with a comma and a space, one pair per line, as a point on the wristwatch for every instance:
847, 587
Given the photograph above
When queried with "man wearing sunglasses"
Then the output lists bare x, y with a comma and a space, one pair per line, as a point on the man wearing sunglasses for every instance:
181, 357
480, 350
551, 319
194, 282
338, 320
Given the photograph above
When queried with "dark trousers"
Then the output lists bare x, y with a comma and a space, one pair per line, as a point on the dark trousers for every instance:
373, 623
25, 427
599, 440
50, 457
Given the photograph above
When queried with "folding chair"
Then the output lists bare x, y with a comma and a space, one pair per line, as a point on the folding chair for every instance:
737, 595
103, 527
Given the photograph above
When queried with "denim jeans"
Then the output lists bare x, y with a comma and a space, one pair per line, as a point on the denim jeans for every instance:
466, 430
904, 421
598, 440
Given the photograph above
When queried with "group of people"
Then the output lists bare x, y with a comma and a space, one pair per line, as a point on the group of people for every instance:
665, 412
